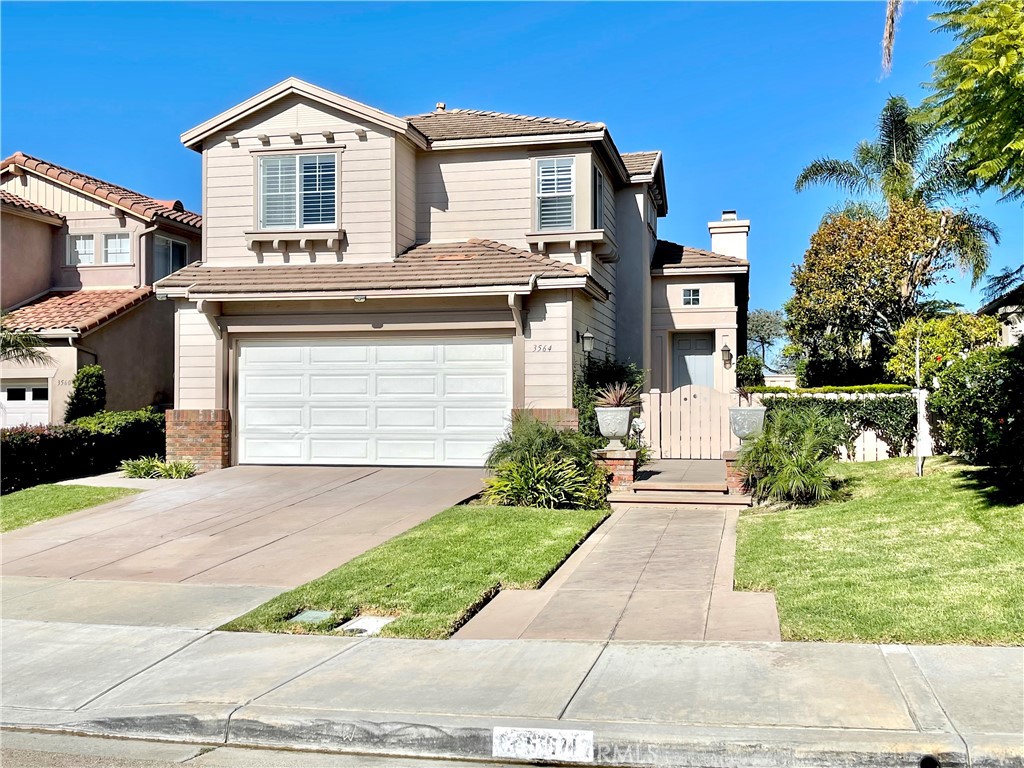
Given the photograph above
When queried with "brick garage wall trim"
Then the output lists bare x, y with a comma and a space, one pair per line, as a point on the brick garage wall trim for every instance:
200, 436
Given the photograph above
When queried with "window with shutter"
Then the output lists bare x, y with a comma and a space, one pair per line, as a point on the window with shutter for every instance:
555, 193
297, 191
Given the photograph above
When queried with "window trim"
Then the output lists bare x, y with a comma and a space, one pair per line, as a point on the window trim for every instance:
68, 250
120, 233
538, 195
598, 212
296, 225
693, 300
160, 236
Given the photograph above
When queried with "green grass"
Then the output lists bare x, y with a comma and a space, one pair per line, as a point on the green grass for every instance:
436, 575
41, 502
938, 559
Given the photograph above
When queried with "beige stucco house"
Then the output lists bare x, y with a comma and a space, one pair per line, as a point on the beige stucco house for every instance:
78, 257
1009, 310
386, 290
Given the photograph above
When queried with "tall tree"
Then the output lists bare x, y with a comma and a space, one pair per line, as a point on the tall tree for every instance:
979, 90
764, 328
904, 164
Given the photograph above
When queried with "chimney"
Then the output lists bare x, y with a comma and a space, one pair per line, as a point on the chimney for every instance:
440, 106
729, 236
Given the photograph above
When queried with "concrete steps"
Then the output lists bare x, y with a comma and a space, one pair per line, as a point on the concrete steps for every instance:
717, 500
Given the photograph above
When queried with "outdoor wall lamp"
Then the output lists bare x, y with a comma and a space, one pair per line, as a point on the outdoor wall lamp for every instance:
726, 356
588, 340
359, 299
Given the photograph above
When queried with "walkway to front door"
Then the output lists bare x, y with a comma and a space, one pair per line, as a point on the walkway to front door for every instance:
646, 574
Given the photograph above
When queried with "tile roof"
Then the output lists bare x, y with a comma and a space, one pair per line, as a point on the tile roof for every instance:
147, 207
27, 205
78, 311
639, 163
674, 256
475, 263
480, 124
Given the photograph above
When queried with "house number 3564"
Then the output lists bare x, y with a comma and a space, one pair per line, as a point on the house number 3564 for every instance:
542, 347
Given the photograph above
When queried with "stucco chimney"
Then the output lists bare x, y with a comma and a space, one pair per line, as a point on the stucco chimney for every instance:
729, 236
440, 106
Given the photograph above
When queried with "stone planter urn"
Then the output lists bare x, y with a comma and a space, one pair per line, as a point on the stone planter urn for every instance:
614, 424
746, 421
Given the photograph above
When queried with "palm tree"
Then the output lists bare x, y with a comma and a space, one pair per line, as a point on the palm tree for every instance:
905, 163
22, 347
893, 9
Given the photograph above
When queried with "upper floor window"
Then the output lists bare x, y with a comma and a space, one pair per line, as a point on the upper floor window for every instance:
168, 256
598, 198
691, 297
117, 248
297, 191
81, 250
555, 193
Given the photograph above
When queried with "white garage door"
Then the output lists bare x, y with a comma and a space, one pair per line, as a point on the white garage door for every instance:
413, 402
24, 402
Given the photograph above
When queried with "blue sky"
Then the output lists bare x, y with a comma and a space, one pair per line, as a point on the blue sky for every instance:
739, 96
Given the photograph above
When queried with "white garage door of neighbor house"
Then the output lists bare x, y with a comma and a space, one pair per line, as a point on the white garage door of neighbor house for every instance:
402, 402
24, 402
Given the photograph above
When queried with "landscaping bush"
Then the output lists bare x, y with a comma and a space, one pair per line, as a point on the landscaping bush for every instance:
943, 339
892, 418
153, 468
88, 393
978, 409
791, 459
749, 372
534, 451
34, 455
862, 389
596, 374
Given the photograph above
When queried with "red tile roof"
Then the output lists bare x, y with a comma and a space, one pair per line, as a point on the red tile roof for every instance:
77, 311
136, 202
27, 205
639, 163
481, 124
474, 263
673, 256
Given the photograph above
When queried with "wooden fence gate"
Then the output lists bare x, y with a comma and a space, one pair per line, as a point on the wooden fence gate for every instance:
690, 422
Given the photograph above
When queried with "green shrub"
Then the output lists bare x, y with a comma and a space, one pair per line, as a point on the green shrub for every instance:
978, 409
892, 418
861, 389
596, 374
550, 483
791, 459
88, 393
943, 339
47, 454
749, 372
528, 437
154, 468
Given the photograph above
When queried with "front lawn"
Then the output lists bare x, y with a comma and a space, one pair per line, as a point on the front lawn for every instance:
436, 575
938, 559
41, 502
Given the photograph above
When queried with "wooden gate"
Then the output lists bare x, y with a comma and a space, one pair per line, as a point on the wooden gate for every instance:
690, 422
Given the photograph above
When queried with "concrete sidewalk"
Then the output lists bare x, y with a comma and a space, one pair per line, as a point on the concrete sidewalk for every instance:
614, 703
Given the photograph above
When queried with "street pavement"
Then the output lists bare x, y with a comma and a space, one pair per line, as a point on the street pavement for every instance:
573, 702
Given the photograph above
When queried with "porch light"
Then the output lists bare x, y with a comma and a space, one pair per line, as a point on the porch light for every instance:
588, 340
359, 299
726, 356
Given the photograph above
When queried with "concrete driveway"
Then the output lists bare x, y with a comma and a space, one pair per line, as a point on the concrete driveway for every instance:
268, 527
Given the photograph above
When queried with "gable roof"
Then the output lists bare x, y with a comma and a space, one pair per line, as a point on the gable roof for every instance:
449, 124
6, 198
74, 312
147, 207
473, 264
673, 257
193, 138
641, 163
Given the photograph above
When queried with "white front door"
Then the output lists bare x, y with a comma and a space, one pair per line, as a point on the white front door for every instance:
693, 356
24, 402
395, 402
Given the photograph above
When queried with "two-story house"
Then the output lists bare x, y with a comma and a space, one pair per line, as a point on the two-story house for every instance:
386, 290
78, 257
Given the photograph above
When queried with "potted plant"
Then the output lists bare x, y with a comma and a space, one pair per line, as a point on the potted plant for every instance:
615, 406
746, 421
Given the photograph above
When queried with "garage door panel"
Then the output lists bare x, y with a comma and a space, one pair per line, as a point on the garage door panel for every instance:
408, 402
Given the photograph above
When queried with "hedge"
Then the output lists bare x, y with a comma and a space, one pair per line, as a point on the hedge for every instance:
893, 418
860, 389
89, 446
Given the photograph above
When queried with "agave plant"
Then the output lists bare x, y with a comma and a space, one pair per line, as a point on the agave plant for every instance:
619, 395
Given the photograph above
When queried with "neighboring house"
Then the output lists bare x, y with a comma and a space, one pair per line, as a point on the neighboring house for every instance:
78, 257
386, 290
1009, 309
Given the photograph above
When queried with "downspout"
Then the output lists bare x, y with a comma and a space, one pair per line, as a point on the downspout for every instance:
515, 305
95, 355
142, 253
